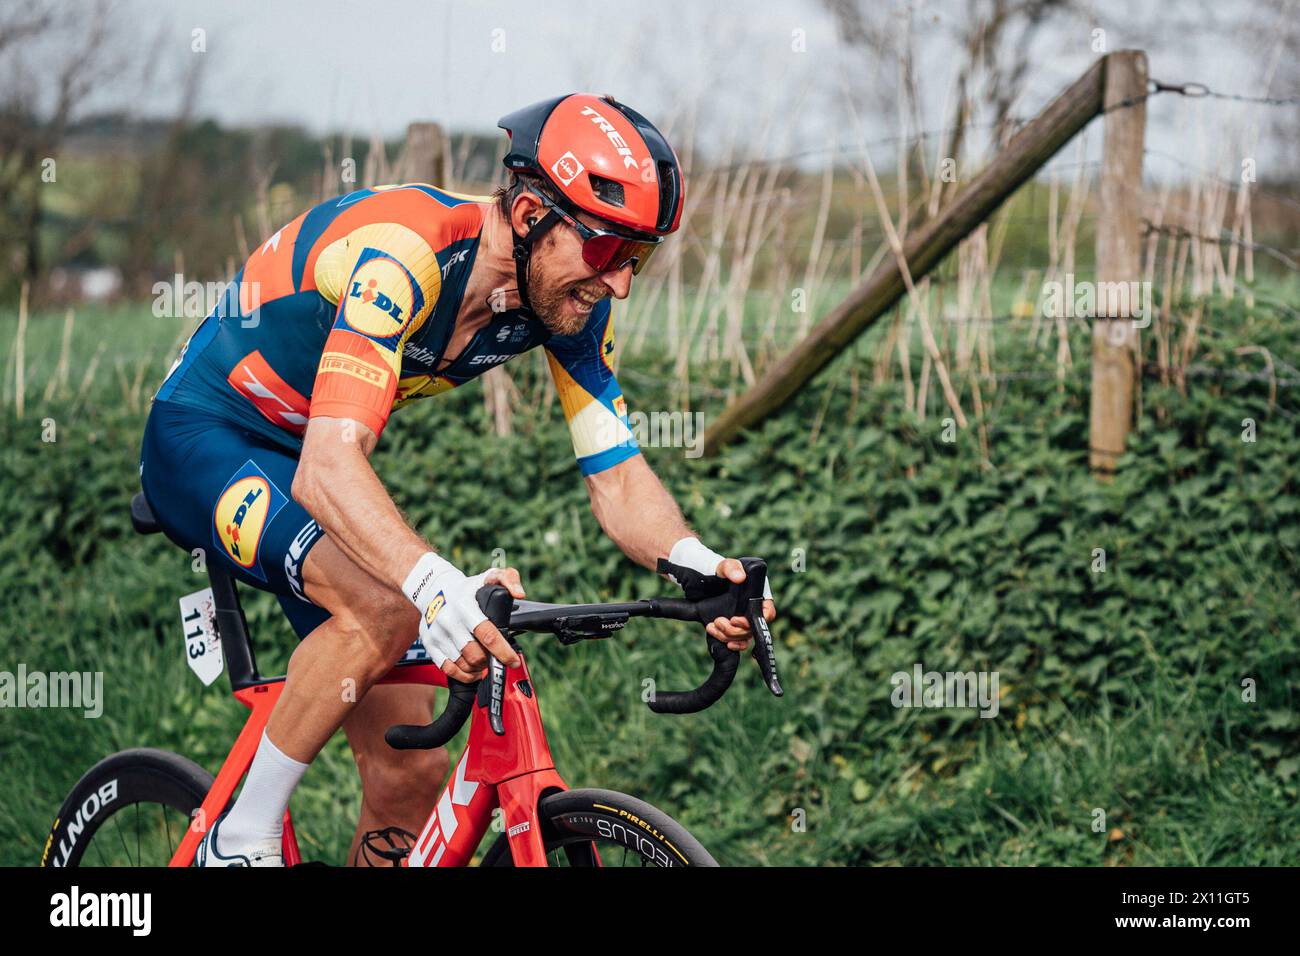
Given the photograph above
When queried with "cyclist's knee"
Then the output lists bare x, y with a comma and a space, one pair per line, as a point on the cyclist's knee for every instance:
378, 630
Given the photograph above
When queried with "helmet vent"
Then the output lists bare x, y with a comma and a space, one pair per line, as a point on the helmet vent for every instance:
607, 190
670, 192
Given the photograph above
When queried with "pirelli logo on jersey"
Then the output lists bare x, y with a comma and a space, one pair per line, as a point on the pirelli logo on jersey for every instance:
358, 368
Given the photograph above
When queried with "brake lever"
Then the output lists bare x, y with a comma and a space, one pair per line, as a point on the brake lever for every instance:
764, 651
496, 603
725, 599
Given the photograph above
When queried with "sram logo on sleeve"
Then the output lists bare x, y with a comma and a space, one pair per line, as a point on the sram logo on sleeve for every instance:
244, 508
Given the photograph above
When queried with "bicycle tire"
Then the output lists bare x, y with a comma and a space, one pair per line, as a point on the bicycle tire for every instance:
579, 824
142, 777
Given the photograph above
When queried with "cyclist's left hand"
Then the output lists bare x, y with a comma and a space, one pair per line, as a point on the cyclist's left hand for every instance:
735, 630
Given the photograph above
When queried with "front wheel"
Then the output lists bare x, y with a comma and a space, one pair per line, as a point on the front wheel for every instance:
130, 809
604, 828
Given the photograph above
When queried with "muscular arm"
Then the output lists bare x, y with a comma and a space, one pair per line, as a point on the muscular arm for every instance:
636, 511
641, 517
339, 488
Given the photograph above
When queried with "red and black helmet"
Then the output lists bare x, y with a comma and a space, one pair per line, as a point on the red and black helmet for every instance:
602, 158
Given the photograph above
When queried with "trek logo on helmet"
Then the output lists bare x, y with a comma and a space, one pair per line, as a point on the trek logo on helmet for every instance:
608, 129
567, 168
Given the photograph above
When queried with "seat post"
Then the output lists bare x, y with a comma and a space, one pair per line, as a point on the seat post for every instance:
232, 628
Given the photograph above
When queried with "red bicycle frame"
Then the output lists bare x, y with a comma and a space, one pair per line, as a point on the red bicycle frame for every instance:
513, 771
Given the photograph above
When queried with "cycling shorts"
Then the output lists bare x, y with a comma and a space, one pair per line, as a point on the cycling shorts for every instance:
216, 487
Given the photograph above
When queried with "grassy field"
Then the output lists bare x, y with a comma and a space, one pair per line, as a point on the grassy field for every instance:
1121, 691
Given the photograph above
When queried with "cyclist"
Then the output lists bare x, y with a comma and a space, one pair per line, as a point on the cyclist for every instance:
256, 448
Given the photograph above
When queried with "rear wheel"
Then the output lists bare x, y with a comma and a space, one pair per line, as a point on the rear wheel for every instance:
605, 828
130, 809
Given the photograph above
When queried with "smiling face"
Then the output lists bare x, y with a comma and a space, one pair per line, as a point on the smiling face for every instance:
562, 288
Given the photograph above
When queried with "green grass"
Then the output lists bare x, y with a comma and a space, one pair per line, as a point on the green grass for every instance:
1121, 692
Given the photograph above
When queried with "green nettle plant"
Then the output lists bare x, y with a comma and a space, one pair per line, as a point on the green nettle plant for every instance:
1143, 630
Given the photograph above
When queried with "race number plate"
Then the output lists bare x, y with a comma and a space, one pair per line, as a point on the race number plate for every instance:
202, 646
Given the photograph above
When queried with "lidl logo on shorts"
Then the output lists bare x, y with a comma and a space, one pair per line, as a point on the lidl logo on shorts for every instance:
378, 297
244, 509
439, 601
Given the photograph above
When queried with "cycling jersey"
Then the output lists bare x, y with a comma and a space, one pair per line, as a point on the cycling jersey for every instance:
348, 310
345, 312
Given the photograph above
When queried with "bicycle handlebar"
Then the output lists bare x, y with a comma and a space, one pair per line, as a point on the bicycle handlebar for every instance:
495, 602
578, 622
738, 600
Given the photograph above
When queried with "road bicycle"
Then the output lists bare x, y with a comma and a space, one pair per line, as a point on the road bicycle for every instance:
148, 807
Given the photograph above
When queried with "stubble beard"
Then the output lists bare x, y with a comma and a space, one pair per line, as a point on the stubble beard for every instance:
548, 300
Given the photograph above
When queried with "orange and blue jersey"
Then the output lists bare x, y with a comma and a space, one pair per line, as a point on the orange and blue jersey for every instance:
347, 312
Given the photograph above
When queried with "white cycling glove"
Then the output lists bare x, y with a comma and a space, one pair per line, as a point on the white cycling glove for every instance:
449, 611
691, 553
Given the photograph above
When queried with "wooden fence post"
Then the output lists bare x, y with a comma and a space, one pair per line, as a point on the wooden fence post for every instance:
1017, 162
422, 162
426, 147
1119, 261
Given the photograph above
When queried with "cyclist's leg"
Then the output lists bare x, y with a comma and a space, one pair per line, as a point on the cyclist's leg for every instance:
398, 788
218, 488
196, 470
330, 680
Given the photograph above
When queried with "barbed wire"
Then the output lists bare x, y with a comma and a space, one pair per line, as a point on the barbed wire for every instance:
1197, 91
1182, 232
1200, 91
1154, 88
1255, 188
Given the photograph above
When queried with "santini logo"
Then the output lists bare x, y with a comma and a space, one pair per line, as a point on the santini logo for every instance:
103, 909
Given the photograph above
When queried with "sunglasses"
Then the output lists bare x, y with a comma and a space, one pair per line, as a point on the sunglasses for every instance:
607, 251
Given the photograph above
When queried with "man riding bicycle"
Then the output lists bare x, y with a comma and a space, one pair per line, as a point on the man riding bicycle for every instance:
257, 444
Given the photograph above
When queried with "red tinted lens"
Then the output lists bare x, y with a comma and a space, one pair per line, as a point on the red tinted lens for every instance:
607, 252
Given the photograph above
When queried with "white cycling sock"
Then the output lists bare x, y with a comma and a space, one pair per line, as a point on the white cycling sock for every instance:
258, 814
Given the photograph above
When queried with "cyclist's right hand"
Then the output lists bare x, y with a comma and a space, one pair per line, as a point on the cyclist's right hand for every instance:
453, 628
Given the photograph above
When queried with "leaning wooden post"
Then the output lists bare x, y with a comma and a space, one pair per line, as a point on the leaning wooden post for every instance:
1119, 261
1017, 162
424, 152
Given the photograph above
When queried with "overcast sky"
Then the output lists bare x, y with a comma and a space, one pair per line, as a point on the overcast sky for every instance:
375, 66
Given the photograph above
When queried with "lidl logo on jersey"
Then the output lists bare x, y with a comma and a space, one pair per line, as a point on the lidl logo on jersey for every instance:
379, 296
376, 298
244, 508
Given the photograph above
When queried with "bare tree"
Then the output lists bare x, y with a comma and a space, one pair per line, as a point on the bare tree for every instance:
53, 54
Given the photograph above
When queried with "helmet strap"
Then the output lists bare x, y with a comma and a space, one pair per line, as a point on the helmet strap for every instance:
523, 251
